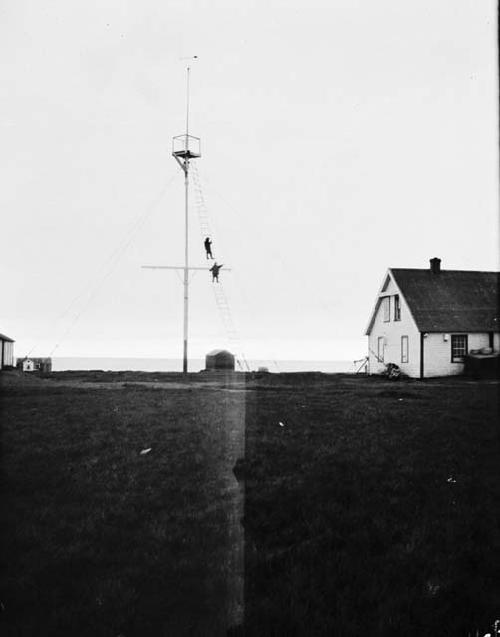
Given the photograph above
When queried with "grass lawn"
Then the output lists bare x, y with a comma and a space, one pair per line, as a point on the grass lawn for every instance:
373, 508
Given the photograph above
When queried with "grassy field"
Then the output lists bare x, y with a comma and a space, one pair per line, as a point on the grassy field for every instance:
368, 506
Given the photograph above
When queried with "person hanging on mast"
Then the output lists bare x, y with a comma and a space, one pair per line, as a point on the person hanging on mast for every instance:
208, 248
215, 272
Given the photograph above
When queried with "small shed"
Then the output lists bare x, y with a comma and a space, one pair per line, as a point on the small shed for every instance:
483, 363
34, 364
28, 365
219, 359
6, 351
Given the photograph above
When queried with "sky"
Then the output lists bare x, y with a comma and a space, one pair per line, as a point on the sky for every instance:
339, 138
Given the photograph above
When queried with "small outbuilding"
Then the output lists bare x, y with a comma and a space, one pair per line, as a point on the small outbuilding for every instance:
28, 365
219, 359
6, 352
34, 364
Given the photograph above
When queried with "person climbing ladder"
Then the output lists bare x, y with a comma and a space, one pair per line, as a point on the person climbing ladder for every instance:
215, 272
208, 248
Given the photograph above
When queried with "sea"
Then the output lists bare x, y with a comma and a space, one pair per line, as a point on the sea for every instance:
195, 365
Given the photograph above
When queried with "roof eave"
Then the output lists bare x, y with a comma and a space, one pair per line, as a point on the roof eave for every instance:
377, 303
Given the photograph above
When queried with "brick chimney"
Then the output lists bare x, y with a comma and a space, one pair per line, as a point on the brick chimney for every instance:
435, 265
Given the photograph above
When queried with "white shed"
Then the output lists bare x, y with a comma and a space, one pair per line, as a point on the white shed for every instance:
28, 365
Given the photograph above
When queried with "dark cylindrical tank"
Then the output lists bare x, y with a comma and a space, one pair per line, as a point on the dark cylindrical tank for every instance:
219, 359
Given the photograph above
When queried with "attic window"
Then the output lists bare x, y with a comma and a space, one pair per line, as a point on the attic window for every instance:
386, 308
397, 308
458, 347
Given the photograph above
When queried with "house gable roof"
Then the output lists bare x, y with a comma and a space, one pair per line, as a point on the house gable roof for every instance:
388, 279
451, 300
6, 338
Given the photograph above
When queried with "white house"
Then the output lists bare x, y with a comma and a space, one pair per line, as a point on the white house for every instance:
426, 321
6, 351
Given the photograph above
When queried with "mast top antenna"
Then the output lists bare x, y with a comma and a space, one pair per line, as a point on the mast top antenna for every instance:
188, 68
186, 146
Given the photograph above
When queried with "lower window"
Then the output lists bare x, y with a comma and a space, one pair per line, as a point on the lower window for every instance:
404, 349
458, 347
380, 349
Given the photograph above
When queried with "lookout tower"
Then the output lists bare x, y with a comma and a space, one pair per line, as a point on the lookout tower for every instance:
186, 147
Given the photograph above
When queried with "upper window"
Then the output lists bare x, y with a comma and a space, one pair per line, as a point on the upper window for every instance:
397, 308
458, 347
386, 308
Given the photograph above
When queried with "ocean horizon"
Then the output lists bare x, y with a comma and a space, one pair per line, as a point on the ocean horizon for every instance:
117, 364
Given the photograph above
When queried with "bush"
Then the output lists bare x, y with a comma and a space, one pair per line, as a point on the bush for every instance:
392, 371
